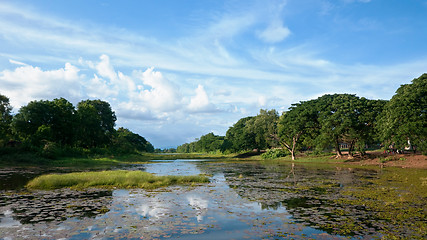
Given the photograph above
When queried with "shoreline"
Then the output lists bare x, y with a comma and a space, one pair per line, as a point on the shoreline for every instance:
372, 158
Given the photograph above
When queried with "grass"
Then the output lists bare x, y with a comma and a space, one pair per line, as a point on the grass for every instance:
111, 179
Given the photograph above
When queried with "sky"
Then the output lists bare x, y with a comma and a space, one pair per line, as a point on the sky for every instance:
176, 70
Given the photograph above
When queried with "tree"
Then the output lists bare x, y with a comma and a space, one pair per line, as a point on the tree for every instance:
263, 127
5, 119
367, 132
346, 118
63, 121
338, 117
45, 120
300, 120
210, 142
126, 141
404, 119
96, 123
207, 143
239, 138
30, 118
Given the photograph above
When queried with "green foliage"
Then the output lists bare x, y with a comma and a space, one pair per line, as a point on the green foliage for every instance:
405, 116
125, 141
207, 143
329, 121
339, 117
109, 179
263, 127
238, 138
297, 124
46, 121
53, 129
5, 120
274, 153
96, 123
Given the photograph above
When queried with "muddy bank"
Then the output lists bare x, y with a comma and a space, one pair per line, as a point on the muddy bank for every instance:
407, 160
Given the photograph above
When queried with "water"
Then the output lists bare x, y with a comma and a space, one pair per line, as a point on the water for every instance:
248, 200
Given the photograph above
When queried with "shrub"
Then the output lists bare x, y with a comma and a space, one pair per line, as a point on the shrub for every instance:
274, 153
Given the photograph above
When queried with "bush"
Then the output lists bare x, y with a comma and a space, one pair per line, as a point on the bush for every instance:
50, 150
274, 153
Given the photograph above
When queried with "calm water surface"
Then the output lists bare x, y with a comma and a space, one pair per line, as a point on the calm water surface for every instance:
248, 200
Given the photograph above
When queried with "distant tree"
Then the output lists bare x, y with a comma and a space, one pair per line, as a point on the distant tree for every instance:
96, 123
5, 119
263, 127
184, 148
126, 141
404, 120
210, 142
206, 143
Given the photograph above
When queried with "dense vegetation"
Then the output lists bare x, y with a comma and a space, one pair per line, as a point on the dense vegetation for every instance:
330, 122
56, 128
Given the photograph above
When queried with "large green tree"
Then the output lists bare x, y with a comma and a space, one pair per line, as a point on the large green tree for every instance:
338, 118
45, 120
5, 119
346, 118
300, 121
96, 123
404, 120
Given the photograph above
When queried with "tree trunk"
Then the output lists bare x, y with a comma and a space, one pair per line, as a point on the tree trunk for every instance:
290, 148
351, 149
337, 149
293, 154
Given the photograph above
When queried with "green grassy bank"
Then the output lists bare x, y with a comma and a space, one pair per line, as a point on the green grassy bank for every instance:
111, 179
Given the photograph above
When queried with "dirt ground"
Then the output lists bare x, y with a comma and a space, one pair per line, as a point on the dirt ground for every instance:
406, 160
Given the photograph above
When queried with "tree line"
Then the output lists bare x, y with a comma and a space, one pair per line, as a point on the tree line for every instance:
49, 127
331, 121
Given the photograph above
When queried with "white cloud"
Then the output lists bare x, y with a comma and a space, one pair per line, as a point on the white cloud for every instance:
99, 88
262, 101
200, 102
105, 69
17, 62
274, 33
158, 92
29, 83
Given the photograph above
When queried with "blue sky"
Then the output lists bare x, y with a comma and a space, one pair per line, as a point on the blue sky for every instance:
175, 70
